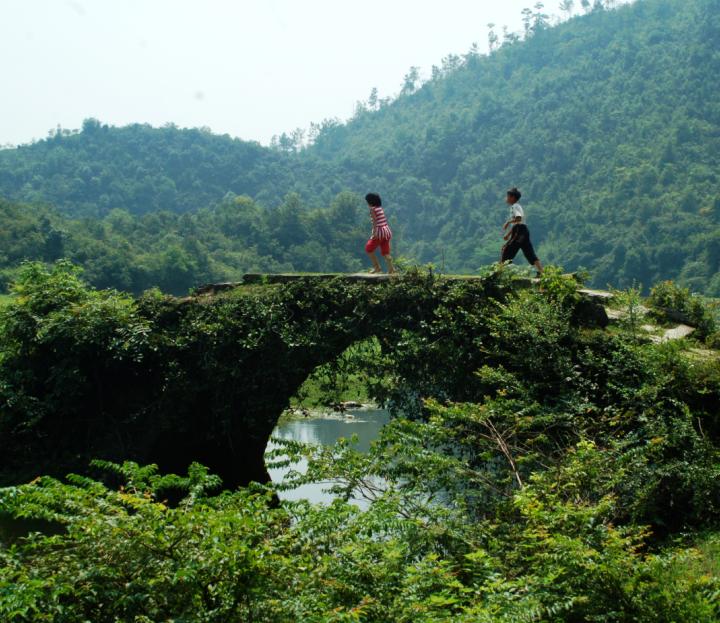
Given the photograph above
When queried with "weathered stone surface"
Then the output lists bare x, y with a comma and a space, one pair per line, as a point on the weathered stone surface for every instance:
254, 279
215, 288
679, 332
351, 404
621, 314
281, 278
676, 333
600, 295
370, 278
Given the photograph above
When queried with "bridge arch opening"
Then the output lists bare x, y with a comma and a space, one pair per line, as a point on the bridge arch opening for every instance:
336, 401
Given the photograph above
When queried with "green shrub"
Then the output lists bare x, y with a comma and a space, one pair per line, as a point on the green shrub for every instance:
550, 553
673, 302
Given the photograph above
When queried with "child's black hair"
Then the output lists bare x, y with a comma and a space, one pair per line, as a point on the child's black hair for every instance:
515, 193
373, 199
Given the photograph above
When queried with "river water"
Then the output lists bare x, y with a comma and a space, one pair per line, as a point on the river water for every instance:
365, 423
326, 430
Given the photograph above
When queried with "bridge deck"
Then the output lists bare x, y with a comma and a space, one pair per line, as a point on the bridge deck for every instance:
266, 278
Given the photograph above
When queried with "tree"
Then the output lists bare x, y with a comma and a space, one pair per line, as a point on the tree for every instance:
566, 6
289, 143
298, 137
450, 63
440, 159
288, 222
527, 20
473, 52
313, 132
410, 81
509, 37
492, 37
90, 125
373, 99
540, 19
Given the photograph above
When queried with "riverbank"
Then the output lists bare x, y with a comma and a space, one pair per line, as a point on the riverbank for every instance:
342, 384
347, 410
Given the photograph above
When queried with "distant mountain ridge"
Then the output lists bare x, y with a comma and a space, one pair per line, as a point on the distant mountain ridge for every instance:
609, 123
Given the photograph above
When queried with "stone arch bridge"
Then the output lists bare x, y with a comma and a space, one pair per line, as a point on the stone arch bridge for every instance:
214, 371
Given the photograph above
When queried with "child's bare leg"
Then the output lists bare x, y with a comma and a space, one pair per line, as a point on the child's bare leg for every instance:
538, 267
389, 262
375, 262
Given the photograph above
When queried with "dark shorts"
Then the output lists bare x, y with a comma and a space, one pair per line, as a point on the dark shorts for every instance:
519, 241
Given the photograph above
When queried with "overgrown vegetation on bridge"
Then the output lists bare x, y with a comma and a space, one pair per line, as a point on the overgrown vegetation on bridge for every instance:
89, 373
537, 470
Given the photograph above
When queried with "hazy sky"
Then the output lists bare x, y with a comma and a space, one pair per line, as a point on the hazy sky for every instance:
249, 68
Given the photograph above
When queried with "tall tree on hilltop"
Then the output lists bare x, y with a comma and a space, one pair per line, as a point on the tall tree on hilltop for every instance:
567, 6
492, 37
540, 19
527, 18
373, 99
509, 37
410, 81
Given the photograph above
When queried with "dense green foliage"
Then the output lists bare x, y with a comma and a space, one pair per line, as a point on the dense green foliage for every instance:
139, 169
608, 122
549, 555
97, 374
176, 252
538, 470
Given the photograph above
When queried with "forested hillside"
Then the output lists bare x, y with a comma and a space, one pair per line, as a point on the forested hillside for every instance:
176, 252
608, 122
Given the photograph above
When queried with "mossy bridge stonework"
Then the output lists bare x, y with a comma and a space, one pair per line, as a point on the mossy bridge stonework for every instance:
215, 370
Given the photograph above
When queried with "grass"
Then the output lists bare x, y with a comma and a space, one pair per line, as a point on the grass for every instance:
709, 562
702, 564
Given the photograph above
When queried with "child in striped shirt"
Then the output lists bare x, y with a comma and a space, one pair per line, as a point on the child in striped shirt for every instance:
380, 236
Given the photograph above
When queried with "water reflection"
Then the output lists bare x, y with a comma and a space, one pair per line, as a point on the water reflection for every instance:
366, 424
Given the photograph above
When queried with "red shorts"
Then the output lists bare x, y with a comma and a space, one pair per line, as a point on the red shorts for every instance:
374, 243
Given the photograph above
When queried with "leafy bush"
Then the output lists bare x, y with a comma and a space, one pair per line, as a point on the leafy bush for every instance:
549, 554
676, 303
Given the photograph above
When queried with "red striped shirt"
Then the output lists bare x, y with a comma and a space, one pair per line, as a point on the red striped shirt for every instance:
381, 229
